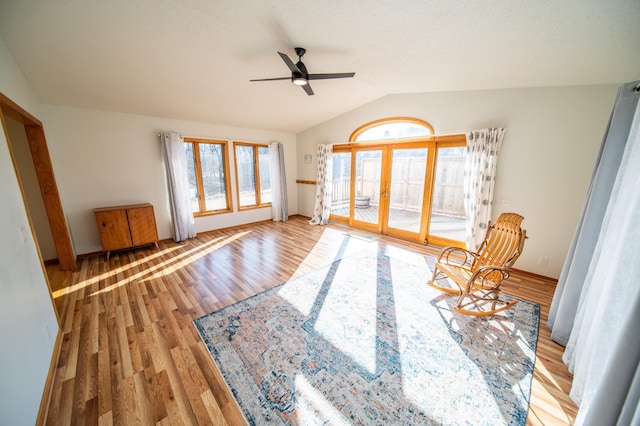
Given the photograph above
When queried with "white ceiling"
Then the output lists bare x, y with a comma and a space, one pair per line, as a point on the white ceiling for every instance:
192, 59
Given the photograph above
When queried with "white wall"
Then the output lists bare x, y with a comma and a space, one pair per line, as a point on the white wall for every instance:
28, 322
107, 158
546, 160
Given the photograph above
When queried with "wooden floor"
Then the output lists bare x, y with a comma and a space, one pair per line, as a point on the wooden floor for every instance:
130, 354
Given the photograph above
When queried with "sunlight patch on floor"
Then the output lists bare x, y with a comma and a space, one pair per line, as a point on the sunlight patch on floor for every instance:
409, 256
300, 294
333, 238
85, 283
550, 389
171, 265
419, 369
313, 408
350, 325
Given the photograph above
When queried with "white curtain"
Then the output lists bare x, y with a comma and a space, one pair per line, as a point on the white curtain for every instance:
324, 169
279, 203
479, 180
175, 162
570, 283
603, 350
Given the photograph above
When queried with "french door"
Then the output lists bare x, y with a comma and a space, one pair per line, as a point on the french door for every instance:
409, 190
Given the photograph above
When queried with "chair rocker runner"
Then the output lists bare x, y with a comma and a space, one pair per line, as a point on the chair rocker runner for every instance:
478, 275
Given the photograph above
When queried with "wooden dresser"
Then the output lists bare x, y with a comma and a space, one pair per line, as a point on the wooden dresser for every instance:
123, 227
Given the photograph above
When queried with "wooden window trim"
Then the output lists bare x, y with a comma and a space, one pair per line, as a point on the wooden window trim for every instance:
441, 141
388, 120
199, 181
256, 171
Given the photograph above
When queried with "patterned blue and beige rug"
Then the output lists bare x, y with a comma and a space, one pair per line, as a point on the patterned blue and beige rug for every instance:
365, 341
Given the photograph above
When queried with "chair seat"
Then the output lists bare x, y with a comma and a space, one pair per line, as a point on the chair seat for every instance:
460, 274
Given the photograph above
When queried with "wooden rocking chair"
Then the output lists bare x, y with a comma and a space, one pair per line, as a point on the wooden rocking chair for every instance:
478, 276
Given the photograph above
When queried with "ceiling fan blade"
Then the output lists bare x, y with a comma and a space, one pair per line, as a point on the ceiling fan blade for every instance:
272, 79
307, 88
289, 62
329, 76
300, 75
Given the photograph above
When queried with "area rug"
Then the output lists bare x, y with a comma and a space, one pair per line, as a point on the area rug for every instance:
363, 235
365, 341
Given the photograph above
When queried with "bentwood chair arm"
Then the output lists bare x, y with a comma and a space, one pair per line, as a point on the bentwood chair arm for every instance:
488, 277
457, 256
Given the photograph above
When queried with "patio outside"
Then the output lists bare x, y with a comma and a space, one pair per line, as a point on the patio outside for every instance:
406, 193
450, 227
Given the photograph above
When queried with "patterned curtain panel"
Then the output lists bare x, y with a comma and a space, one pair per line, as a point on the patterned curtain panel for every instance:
175, 162
322, 208
479, 180
279, 203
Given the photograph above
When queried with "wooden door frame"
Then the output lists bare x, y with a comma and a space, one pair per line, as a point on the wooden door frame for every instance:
46, 180
433, 143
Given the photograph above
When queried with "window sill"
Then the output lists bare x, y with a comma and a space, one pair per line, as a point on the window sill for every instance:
261, 206
212, 213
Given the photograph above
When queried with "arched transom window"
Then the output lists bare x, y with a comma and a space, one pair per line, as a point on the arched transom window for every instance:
392, 128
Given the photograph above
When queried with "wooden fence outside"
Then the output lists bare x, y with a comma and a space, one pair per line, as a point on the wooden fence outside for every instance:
407, 185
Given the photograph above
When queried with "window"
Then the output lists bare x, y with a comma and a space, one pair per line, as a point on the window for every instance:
253, 176
209, 187
341, 183
392, 128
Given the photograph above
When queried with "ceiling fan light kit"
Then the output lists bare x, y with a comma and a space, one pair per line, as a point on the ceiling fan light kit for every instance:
298, 79
299, 74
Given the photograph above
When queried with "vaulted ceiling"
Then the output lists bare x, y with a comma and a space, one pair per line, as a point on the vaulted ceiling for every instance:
193, 59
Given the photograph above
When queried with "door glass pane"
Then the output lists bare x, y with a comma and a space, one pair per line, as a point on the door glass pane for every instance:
246, 175
341, 184
213, 179
447, 206
191, 174
367, 199
265, 175
406, 190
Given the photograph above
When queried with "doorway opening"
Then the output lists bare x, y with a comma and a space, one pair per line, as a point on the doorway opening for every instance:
34, 134
409, 185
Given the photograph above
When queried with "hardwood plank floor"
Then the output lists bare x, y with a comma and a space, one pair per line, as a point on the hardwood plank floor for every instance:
130, 354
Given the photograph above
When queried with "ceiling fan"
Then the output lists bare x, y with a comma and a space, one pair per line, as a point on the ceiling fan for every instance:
299, 74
